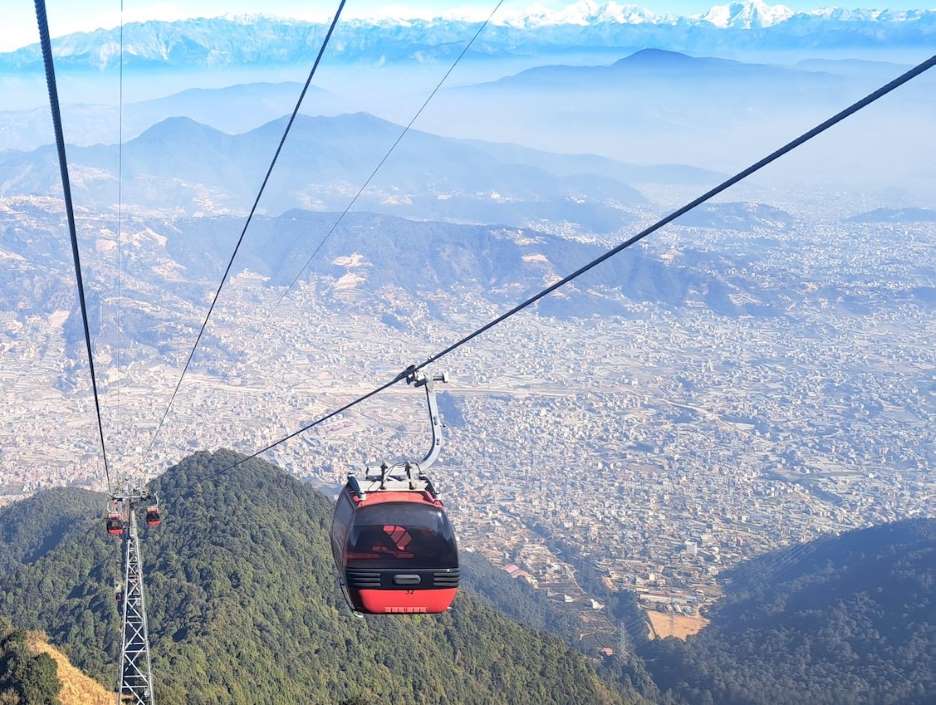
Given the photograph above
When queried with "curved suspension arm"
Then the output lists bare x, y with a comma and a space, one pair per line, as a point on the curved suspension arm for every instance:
435, 419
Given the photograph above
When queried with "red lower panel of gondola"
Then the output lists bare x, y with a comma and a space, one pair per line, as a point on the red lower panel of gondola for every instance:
403, 601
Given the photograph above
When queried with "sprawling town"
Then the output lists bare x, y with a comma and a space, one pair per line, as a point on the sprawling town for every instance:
647, 451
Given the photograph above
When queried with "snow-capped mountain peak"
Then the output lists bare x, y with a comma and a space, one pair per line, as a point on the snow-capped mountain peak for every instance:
581, 13
517, 30
747, 15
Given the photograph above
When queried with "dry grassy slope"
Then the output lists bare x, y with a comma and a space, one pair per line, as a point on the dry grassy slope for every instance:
677, 625
77, 688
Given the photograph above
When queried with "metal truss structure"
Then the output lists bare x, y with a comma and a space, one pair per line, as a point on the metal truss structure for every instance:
135, 686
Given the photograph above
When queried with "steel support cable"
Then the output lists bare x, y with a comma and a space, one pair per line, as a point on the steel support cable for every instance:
46, 44
708, 195
253, 209
119, 222
386, 156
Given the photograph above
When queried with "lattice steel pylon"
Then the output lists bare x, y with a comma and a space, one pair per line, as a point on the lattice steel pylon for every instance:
135, 686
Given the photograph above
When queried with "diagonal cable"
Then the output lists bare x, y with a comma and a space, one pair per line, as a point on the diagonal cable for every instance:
46, 43
386, 156
253, 209
119, 222
708, 195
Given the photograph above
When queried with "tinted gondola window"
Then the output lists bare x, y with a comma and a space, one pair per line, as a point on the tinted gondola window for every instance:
401, 535
342, 519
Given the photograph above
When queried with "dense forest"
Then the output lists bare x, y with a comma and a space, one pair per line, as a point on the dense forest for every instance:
244, 608
849, 620
25, 678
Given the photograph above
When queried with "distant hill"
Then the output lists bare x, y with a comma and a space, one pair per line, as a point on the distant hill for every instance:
235, 108
182, 164
232, 109
657, 105
895, 215
652, 63
853, 67
373, 252
244, 607
172, 263
737, 216
849, 620
575, 164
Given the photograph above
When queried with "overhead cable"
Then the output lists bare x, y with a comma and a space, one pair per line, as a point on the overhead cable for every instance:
708, 195
386, 156
120, 102
46, 44
253, 209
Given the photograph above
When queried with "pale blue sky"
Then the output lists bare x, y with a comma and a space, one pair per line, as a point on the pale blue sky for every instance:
19, 24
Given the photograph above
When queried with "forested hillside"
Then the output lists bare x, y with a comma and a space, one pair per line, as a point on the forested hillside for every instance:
518, 600
26, 678
244, 609
849, 620
243, 605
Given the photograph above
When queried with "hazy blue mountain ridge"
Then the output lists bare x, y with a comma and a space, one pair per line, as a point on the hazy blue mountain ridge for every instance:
656, 64
232, 109
181, 164
264, 41
896, 215
657, 106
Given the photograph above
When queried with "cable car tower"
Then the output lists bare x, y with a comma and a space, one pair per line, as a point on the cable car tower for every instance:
135, 685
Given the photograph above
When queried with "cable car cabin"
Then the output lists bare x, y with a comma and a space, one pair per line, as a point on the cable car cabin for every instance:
115, 525
394, 550
152, 516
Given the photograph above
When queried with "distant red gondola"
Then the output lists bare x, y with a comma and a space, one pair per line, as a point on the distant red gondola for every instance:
152, 516
115, 524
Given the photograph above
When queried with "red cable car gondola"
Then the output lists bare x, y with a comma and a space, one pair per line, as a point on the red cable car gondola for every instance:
114, 523
393, 545
153, 518
395, 550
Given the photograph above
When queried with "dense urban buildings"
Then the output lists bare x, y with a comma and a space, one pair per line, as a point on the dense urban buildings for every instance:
655, 444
